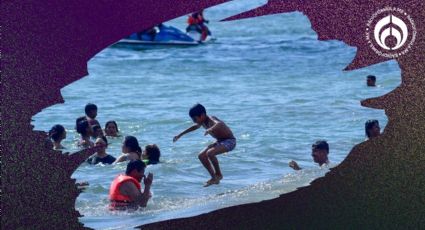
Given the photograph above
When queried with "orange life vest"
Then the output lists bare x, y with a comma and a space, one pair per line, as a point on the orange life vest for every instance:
115, 194
192, 21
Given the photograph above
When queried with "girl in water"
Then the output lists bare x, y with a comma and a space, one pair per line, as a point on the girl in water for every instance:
130, 149
111, 129
151, 154
85, 130
57, 133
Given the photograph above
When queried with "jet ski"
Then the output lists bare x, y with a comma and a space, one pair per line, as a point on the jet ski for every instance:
157, 36
196, 32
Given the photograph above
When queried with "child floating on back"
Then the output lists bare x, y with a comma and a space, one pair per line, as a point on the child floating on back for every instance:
226, 142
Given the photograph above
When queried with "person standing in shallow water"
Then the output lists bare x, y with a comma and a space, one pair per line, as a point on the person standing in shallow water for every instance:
372, 129
57, 133
226, 142
125, 191
320, 152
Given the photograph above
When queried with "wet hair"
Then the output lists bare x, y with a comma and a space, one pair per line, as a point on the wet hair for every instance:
132, 143
137, 164
96, 127
368, 125
78, 120
371, 77
90, 107
56, 132
104, 139
111, 122
153, 153
197, 110
320, 145
82, 127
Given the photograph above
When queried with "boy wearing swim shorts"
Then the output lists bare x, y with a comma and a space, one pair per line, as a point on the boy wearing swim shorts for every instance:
226, 142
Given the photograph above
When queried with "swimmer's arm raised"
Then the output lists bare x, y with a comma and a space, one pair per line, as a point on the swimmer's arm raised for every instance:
190, 129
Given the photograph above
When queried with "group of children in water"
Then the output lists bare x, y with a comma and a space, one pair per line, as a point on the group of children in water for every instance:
125, 191
91, 134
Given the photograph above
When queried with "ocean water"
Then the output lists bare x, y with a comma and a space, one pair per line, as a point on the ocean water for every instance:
276, 86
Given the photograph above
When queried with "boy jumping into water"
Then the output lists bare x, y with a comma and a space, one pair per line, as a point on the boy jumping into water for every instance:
226, 142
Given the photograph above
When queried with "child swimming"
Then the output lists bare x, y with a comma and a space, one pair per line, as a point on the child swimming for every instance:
130, 149
101, 156
226, 142
57, 133
151, 154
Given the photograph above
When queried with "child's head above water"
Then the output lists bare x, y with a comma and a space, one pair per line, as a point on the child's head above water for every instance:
152, 153
91, 110
78, 120
57, 133
131, 145
320, 151
198, 113
84, 128
97, 131
111, 128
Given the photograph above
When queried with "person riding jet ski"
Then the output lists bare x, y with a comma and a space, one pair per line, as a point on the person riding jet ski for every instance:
197, 22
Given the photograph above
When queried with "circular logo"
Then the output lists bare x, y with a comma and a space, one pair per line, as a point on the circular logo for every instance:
391, 32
